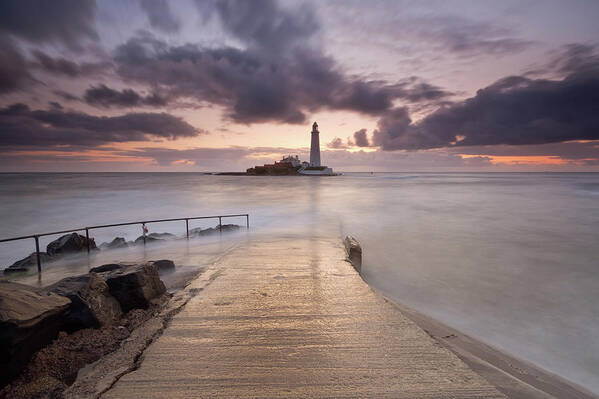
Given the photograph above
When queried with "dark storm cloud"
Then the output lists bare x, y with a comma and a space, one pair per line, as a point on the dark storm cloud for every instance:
278, 77
360, 138
40, 21
160, 15
13, 67
415, 90
515, 110
104, 96
21, 126
253, 87
62, 66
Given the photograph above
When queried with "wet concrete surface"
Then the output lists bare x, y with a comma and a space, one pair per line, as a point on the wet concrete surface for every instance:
287, 318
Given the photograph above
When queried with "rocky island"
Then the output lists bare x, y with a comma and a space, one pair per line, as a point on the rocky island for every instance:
291, 165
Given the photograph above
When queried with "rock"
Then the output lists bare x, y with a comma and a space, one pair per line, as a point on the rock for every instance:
164, 265
226, 228
118, 242
140, 240
229, 227
198, 231
29, 319
92, 305
45, 387
162, 236
70, 243
354, 252
106, 268
134, 286
155, 237
27, 263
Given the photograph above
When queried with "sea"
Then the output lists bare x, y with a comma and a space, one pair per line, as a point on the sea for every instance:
511, 259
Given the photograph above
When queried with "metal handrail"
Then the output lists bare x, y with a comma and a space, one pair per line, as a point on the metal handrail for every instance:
143, 223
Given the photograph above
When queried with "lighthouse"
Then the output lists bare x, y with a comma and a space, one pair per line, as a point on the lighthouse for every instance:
315, 146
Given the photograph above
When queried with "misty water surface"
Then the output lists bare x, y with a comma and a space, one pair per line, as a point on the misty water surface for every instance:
511, 259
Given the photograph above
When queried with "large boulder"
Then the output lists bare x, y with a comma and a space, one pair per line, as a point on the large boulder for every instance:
92, 305
29, 320
164, 265
354, 252
134, 286
106, 268
118, 242
26, 264
70, 243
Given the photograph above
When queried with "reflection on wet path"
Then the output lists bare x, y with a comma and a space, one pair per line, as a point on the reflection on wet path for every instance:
289, 317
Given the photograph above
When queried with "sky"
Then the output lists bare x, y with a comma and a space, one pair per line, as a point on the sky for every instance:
210, 85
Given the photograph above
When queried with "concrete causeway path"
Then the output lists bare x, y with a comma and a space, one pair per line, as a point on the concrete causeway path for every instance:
290, 318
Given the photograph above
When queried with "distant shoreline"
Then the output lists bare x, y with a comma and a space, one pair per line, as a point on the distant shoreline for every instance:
342, 172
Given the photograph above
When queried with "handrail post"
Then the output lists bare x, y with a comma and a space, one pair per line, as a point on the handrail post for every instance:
247, 221
220, 224
143, 232
187, 227
87, 238
37, 254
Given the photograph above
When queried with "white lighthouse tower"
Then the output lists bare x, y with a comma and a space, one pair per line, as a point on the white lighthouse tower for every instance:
315, 146
314, 168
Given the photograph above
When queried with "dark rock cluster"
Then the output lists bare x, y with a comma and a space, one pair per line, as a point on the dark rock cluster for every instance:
67, 244
75, 243
31, 318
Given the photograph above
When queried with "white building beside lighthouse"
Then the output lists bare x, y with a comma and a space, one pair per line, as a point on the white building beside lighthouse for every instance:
315, 168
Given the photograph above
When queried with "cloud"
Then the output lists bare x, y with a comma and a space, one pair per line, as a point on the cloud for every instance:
576, 58
259, 86
278, 73
514, 110
572, 150
195, 156
263, 24
62, 66
457, 34
13, 67
360, 138
160, 15
40, 21
337, 144
104, 96
460, 35
66, 96
21, 126
253, 87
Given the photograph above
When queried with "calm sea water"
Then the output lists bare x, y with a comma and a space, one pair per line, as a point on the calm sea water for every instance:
512, 259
